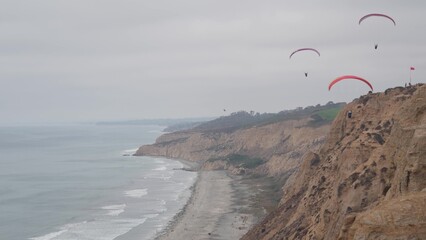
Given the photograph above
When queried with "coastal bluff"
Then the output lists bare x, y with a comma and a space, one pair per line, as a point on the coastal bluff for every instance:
270, 145
362, 177
368, 179
264, 149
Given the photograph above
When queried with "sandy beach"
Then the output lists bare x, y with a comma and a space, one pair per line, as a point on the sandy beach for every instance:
220, 208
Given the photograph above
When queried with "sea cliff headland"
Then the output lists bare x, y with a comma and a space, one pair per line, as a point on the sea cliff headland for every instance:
338, 177
244, 159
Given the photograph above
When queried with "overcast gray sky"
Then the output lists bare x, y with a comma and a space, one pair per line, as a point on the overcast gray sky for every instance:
89, 60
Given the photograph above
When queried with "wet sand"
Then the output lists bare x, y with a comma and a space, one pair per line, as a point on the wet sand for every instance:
220, 208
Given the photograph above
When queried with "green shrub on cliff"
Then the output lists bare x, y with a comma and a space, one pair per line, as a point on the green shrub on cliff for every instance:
239, 160
329, 114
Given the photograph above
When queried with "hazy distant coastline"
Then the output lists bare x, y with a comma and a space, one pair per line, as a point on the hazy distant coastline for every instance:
160, 121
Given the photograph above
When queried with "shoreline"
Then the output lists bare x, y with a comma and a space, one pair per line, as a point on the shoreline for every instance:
220, 207
175, 220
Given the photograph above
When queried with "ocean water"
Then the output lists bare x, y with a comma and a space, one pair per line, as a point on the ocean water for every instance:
74, 182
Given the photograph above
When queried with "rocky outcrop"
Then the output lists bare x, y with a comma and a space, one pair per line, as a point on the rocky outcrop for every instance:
366, 181
403, 217
279, 145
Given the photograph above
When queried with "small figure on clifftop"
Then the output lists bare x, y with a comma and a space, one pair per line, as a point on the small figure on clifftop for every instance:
349, 114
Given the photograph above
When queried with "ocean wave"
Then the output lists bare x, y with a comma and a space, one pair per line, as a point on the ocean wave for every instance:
136, 193
100, 229
114, 210
162, 168
162, 177
129, 152
153, 215
49, 236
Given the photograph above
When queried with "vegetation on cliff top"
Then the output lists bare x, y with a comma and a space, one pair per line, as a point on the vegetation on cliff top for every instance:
321, 114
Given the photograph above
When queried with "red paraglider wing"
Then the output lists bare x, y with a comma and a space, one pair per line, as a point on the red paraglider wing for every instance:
305, 49
376, 15
349, 77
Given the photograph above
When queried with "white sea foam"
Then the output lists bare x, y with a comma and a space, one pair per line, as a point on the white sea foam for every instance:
129, 152
49, 236
160, 209
151, 215
55, 235
115, 210
100, 229
162, 177
162, 168
136, 193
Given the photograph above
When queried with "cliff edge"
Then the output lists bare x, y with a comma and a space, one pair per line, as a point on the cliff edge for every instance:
272, 146
367, 181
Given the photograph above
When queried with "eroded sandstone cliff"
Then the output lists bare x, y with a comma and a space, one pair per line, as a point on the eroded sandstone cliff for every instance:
273, 148
367, 181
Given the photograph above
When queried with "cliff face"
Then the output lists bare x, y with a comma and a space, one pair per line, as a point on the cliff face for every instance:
280, 146
367, 181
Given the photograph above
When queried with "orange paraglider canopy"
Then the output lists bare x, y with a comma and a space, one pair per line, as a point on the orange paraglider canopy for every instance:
346, 77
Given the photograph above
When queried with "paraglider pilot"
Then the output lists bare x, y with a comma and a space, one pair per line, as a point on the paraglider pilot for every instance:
306, 74
349, 114
376, 45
